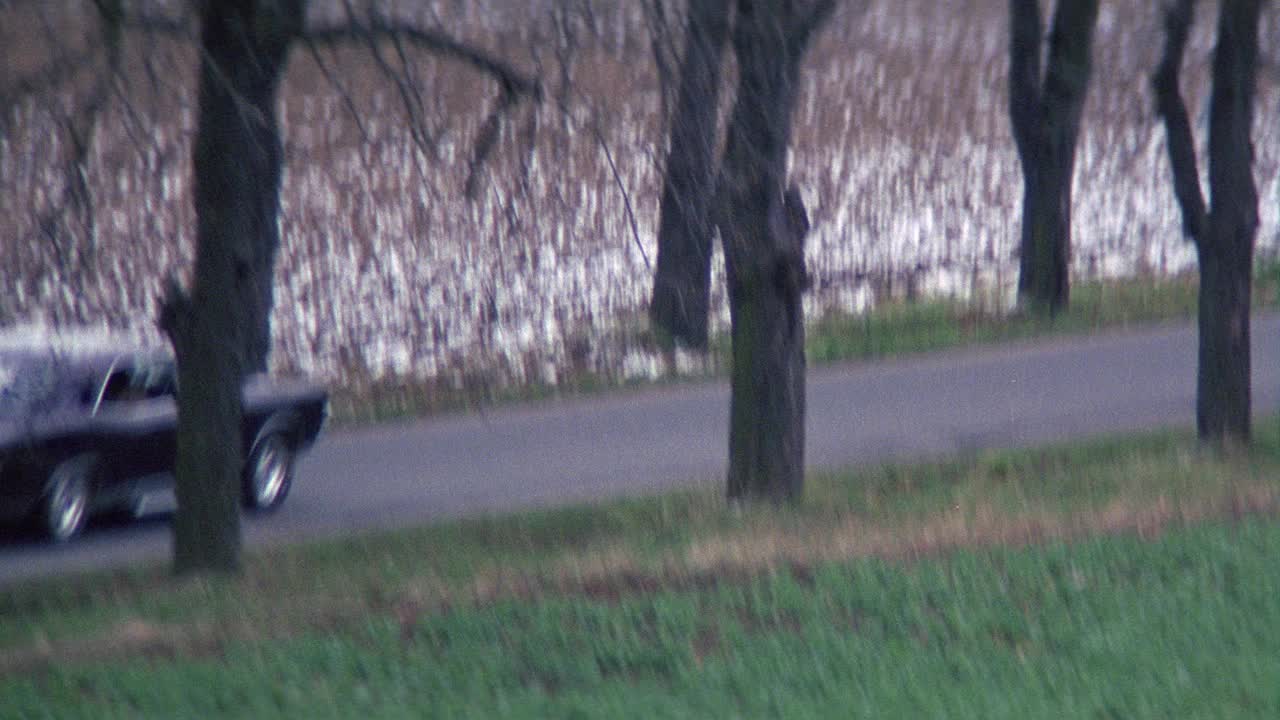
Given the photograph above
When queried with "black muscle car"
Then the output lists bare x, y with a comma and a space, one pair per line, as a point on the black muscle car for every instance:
84, 432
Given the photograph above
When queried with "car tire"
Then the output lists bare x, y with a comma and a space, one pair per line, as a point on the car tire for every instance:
269, 473
65, 508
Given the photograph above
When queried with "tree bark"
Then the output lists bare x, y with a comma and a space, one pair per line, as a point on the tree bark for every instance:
1224, 235
763, 229
1226, 255
217, 330
682, 278
1223, 394
1045, 114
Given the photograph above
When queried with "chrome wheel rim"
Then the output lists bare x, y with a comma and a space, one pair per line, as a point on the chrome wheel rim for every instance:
270, 470
67, 503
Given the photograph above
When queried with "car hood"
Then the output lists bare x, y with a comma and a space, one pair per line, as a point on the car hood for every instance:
9, 431
17, 430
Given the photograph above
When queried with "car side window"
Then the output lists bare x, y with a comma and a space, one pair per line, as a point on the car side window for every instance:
121, 387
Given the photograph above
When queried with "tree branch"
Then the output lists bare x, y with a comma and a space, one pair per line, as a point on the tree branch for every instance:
57, 72
430, 40
352, 111
622, 188
410, 98
486, 140
1170, 107
374, 30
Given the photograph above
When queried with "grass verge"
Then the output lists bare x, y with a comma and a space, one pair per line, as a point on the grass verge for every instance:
1121, 577
1181, 627
891, 329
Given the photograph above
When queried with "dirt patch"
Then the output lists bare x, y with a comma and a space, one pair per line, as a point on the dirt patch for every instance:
749, 554
132, 638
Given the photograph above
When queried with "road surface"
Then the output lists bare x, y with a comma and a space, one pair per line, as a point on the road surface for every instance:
638, 442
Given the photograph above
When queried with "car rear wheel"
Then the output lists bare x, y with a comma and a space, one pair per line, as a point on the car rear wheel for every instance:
269, 473
66, 505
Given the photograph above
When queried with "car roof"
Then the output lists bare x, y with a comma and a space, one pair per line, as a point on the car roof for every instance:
79, 350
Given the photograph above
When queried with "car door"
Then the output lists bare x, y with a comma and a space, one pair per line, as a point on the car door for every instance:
136, 415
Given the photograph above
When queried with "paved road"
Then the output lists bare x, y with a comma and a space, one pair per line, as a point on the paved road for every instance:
672, 436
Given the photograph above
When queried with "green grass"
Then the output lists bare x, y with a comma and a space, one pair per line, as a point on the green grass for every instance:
891, 329
1184, 626
906, 328
1123, 577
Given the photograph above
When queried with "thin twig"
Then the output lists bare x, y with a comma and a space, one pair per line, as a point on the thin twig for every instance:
337, 84
626, 197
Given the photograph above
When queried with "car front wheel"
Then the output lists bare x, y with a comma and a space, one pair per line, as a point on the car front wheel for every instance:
269, 473
66, 505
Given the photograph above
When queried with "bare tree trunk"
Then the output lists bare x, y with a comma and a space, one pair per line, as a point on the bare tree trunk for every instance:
763, 228
1226, 256
216, 330
266, 138
1223, 397
1224, 235
1045, 115
682, 279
